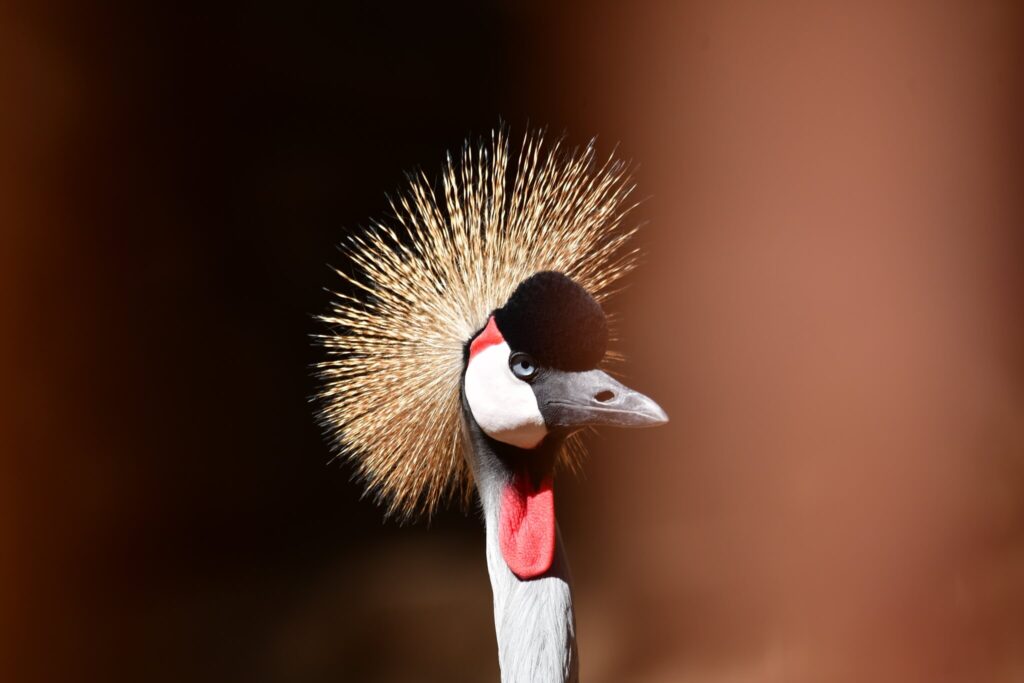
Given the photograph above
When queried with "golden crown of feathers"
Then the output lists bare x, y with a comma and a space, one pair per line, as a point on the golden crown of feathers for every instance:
424, 284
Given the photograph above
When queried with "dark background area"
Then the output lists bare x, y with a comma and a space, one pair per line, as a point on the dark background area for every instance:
829, 309
200, 166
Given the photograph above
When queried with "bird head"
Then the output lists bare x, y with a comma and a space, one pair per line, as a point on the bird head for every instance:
480, 305
532, 372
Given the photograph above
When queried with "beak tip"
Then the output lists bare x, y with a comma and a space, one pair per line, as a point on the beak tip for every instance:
648, 413
658, 415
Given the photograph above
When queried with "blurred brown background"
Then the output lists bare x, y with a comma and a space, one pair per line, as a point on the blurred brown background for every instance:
830, 310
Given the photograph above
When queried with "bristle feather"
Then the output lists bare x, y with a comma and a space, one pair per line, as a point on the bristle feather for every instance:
390, 385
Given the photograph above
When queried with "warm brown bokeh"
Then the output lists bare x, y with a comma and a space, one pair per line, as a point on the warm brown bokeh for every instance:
830, 311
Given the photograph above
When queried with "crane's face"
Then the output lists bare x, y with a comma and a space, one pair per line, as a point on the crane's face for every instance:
532, 371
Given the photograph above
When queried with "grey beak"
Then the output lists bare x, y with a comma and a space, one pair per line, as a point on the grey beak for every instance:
592, 398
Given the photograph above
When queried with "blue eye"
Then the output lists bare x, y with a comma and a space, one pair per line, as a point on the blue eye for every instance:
522, 366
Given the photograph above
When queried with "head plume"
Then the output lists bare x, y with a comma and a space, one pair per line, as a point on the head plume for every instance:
423, 284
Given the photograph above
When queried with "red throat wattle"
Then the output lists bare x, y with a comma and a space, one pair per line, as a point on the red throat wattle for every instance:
526, 526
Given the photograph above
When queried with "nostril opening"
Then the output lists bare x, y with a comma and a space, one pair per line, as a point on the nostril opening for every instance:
604, 396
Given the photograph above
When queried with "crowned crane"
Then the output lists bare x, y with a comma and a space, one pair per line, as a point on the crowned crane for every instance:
469, 358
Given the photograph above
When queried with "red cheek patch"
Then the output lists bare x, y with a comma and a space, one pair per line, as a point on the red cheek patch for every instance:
526, 526
489, 337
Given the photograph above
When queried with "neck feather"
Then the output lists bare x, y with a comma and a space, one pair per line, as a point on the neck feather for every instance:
533, 619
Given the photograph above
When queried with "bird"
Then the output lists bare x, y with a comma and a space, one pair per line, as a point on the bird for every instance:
469, 353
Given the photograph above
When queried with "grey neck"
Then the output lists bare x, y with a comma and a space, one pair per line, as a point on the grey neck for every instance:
533, 619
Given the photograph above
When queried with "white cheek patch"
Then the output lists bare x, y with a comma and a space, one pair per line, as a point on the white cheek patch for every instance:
503, 405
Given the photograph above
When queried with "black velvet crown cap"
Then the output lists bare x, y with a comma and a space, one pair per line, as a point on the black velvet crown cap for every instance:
555, 320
